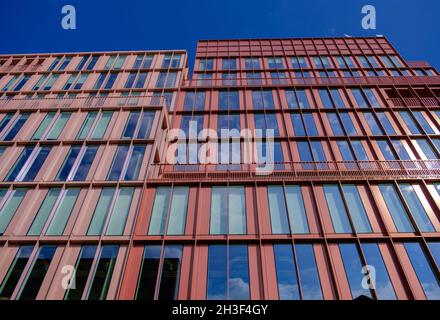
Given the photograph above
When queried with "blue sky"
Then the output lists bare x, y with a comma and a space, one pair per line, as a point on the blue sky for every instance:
35, 25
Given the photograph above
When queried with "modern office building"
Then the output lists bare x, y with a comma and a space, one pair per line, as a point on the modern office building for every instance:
350, 207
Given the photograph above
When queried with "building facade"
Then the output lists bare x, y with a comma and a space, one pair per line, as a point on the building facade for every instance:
350, 207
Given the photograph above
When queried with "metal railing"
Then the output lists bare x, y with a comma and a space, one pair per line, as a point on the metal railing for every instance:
414, 102
19, 68
337, 81
81, 102
301, 170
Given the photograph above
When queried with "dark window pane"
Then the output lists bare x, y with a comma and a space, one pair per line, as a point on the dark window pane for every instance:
82, 271
14, 273
37, 273
170, 276
148, 273
103, 273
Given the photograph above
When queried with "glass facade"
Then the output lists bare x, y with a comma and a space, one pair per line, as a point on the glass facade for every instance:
353, 192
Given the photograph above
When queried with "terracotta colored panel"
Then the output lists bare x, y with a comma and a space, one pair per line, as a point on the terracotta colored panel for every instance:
131, 273
340, 276
411, 276
325, 273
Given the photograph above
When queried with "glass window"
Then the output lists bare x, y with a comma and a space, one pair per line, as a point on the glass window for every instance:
175, 214
308, 272
396, 208
148, 273
383, 285
360, 99
427, 150
344, 149
92, 63
42, 128
126, 163
424, 270
299, 62
119, 213
297, 99
169, 275
111, 211
400, 149
103, 273
87, 125
387, 150
353, 270
18, 123
228, 100
386, 124
44, 211
9, 206
228, 210
283, 216
77, 164
434, 248
356, 208
61, 213
252, 64
335, 124
101, 125
58, 126
82, 63
410, 122
206, 64
309, 123
6, 119
194, 100
135, 162
275, 63
262, 99
102, 208
166, 80
83, 268
372, 123
286, 272
228, 278
415, 206
423, 122
15, 271
348, 124
359, 151
29, 164
297, 123
37, 273
337, 99
337, 209
171, 61
229, 64
325, 98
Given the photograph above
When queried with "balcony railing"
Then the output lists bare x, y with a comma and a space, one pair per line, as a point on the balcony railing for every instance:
19, 68
337, 81
82, 102
301, 170
414, 102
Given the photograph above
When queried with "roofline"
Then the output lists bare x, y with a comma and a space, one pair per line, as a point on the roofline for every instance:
92, 52
295, 38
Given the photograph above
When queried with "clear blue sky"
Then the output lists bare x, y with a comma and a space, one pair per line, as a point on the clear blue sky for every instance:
35, 25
